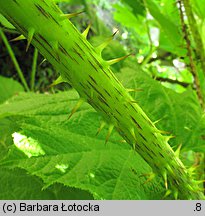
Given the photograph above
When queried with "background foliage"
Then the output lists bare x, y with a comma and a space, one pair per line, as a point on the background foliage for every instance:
45, 156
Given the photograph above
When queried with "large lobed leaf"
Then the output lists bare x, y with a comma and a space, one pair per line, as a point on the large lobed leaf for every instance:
8, 88
36, 136
16, 184
56, 150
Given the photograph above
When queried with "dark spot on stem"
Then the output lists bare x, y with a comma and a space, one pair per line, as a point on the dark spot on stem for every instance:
44, 40
161, 154
63, 50
133, 119
105, 73
143, 137
93, 79
47, 50
107, 93
65, 66
79, 48
93, 65
42, 11
119, 93
54, 20
16, 2
78, 53
103, 100
96, 89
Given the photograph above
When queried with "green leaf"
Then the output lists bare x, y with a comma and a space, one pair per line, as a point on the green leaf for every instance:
137, 6
170, 29
8, 88
8, 126
16, 184
68, 152
199, 8
125, 16
180, 113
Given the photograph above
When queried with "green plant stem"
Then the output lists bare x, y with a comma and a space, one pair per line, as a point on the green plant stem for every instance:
195, 33
81, 64
33, 71
193, 68
197, 39
163, 79
149, 56
11, 53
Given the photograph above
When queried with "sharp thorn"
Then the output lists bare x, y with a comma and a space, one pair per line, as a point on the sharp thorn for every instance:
192, 169
151, 177
85, 33
102, 125
102, 46
164, 174
44, 60
167, 138
177, 152
70, 15
79, 103
157, 121
146, 174
132, 131
113, 35
163, 132
30, 37
21, 37
168, 192
176, 193
113, 61
110, 129
166, 184
187, 128
56, 82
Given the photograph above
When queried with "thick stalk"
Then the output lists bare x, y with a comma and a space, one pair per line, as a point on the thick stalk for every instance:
197, 39
193, 68
195, 33
82, 66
